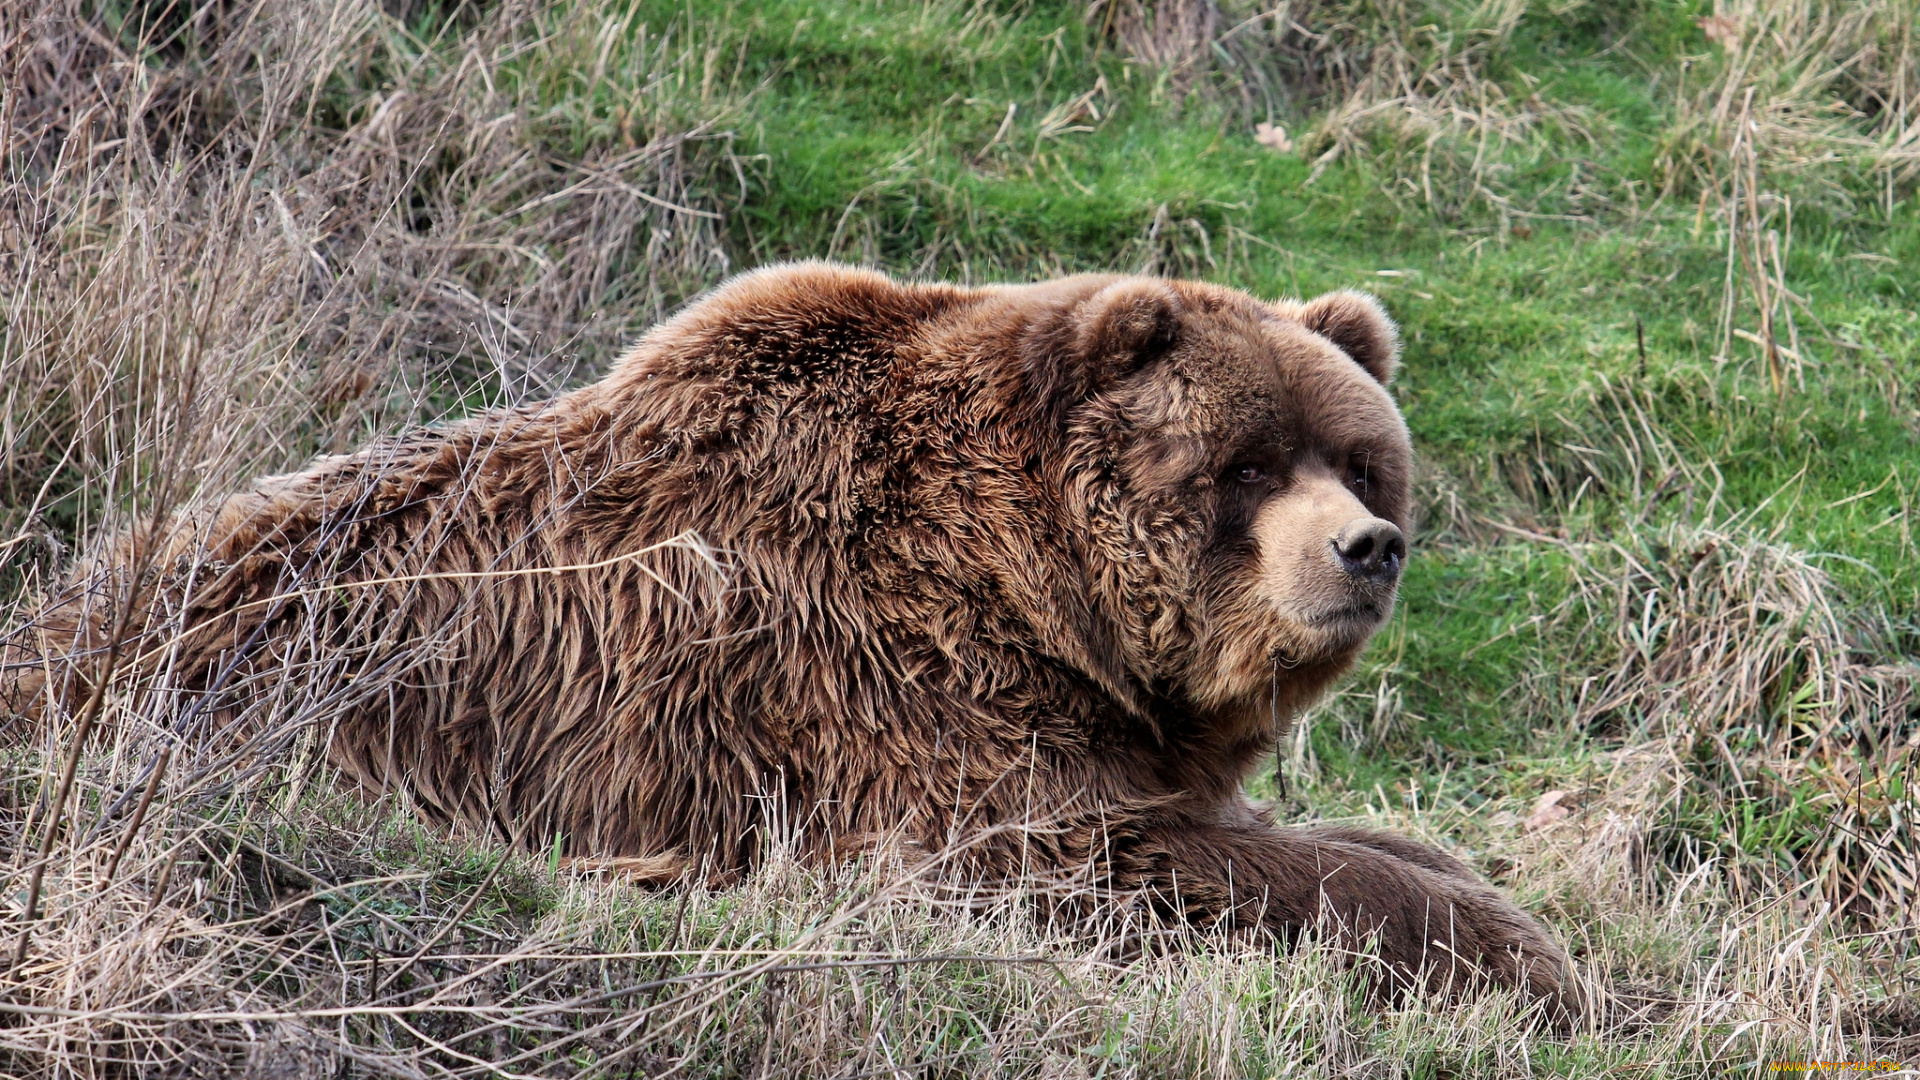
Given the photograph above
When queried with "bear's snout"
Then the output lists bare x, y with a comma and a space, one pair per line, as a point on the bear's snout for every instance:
1371, 549
1329, 568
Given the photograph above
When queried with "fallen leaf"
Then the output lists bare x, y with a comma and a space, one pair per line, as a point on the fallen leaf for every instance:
1720, 30
1547, 812
1272, 135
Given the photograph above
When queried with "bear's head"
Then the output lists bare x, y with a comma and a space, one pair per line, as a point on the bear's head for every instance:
1241, 475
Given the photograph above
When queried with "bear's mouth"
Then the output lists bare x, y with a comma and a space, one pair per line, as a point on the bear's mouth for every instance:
1366, 611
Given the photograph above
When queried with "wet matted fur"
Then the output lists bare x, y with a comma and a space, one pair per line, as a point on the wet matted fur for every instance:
908, 561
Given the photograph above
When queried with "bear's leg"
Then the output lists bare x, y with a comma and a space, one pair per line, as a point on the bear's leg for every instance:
1413, 851
1431, 925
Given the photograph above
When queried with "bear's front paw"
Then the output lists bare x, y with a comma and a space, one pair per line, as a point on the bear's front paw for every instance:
1491, 940
1433, 926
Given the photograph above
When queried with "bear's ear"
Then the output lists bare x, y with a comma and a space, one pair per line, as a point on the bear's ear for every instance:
1358, 324
1125, 326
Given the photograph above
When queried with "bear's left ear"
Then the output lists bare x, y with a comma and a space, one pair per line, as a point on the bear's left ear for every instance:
1358, 324
1125, 326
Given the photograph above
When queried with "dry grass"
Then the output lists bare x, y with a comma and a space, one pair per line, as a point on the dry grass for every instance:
1733, 664
1408, 83
267, 933
202, 220
1808, 101
1808, 84
1744, 743
1807, 87
1175, 36
1416, 85
1772, 723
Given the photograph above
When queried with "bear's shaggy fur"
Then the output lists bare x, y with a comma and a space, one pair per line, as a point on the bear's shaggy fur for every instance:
903, 561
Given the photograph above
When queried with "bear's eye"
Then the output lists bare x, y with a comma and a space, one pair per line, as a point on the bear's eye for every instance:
1248, 474
1357, 473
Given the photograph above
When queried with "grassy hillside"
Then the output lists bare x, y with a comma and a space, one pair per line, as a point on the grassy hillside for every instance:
1655, 666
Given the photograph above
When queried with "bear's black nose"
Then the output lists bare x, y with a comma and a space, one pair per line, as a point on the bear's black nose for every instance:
1372, 549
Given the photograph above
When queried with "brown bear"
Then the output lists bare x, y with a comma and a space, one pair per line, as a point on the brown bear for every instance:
1041, 569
